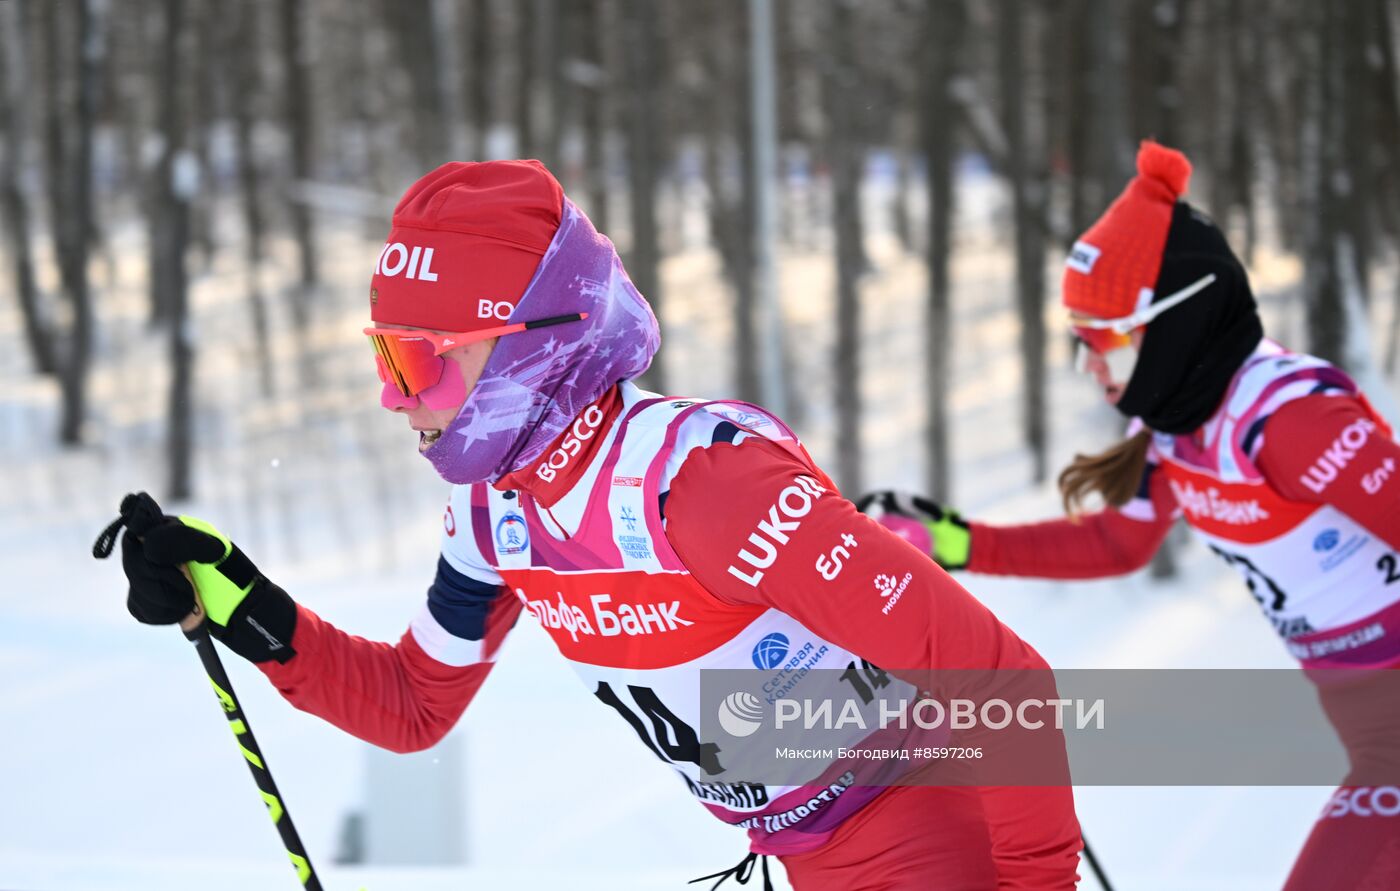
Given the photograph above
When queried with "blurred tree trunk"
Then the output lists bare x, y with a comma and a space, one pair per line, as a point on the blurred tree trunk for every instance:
988, 135
1387, 161
448, 79
1156, 31
1028, 196
142, 97
415, 29
205, 111
71, 123
1357, 58
1101, 152
16, 114
57, 100
1328, 250
641, 35
537, 43
845, 149
672, 126
1243, 163
944, 27
597, 112
176, 175
1281, 116
1080, 117
239, 29
130, 91
894, 61
551, 106
798, 44
474, 23
524, 73
1383, 159
575, 81
1058, 105
1115, 146
1231, 166
904, 183
370, 103
296, 63
726, 102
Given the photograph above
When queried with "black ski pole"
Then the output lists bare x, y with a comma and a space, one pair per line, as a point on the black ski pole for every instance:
1094, 865
243, 734
138, 512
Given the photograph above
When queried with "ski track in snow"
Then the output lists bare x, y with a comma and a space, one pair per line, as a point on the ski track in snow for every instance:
121, 773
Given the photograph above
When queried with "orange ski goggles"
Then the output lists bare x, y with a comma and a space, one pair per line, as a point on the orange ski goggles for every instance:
411, 359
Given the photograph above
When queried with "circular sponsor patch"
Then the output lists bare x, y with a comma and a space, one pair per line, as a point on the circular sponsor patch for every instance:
1326, 540
512, 535
770, 652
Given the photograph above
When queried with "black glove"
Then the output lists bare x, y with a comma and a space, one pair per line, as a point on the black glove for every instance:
252, 616
158, 595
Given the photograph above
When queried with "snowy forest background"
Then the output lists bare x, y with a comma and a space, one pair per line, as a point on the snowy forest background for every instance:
191, 198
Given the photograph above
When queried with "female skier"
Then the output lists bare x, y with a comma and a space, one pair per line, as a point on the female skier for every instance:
1274, 458
651, 537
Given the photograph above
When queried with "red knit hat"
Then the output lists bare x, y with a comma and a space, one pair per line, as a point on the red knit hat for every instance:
465, 242
1112, 268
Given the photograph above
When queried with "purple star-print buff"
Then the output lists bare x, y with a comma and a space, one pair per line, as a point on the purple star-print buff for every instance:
536, 382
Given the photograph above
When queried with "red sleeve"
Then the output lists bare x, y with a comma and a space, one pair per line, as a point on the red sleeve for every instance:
856, 584
1106, 543
935, 623
394, 696
1331, 450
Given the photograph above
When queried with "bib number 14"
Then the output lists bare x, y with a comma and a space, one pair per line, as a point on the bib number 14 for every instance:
660, 729
1265, 590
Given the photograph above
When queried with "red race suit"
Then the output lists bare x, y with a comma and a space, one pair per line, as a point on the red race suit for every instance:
1295, 482
659, 537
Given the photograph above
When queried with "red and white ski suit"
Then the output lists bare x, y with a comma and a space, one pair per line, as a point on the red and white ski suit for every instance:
1294, 481
658, 537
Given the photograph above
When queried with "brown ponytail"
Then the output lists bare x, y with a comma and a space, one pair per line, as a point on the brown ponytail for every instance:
1113, 473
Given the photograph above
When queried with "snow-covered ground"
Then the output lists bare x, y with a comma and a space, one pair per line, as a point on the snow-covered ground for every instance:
119, 770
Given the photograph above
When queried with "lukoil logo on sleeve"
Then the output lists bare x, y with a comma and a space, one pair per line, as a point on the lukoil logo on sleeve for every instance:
793, 503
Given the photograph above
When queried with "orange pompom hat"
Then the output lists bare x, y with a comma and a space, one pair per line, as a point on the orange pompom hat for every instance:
1112, 269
